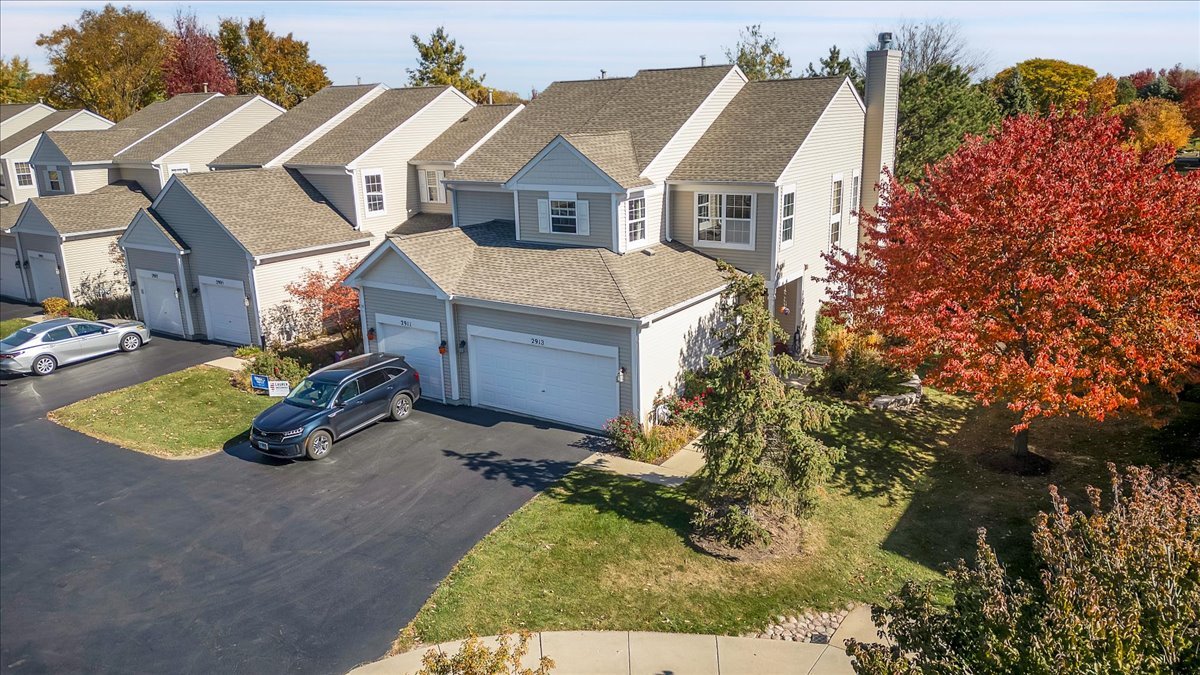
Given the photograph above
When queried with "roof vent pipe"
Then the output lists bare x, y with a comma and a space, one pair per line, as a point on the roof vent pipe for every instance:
206, 87
489, 96
703, 58
886, 41
603, 73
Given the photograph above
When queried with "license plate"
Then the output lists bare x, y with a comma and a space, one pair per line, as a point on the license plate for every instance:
262, 445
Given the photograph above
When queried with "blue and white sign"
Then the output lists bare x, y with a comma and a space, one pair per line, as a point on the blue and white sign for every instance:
259, 382
278, 388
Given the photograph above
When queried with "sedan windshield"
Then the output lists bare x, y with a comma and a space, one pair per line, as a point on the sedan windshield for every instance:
312, 394
18, 338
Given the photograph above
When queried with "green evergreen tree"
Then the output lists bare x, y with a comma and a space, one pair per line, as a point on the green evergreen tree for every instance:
759, 56
1014, 98
442, 61
1126, 92
937, 109
1159, 88
836, 66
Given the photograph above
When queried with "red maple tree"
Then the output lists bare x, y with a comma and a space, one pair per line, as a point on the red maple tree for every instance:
1052, 268
327, 302
193, 61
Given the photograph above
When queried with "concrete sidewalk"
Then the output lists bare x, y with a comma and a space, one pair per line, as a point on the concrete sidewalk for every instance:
633, 653
672, 472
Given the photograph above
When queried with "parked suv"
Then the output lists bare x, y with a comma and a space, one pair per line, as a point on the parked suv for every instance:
334, 402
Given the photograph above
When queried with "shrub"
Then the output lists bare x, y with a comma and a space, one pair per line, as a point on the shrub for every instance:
662, 441
55, 306
475, 658
1118, 591
112, 307
274, 366
679, 409
623, 431
78, 312
821, 330
856, 368
247, 352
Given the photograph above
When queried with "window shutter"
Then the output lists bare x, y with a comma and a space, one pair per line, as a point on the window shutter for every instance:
441, 178
543, 215
422, 184
581, 213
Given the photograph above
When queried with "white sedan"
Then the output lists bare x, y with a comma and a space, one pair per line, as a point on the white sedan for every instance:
43, 347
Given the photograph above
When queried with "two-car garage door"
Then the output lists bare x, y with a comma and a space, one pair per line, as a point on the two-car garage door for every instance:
563, 380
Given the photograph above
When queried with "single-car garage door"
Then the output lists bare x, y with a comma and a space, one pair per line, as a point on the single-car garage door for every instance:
47, 282
160, 301
11, 284
225, 310
561, 380
417, 341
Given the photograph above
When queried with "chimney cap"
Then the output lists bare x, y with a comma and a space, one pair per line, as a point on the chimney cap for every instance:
886, 41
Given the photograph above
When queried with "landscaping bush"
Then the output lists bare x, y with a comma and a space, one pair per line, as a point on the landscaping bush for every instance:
247, 352
623, 431
824, 325
856, 368
475, 658
112, 307
55, 306
77, 312
680, 409
661, 441
274, 366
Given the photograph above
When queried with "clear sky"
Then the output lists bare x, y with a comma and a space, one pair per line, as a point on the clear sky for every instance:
521, 45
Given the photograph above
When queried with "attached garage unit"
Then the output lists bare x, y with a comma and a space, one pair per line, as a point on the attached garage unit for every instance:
46, 276
11, 283
155, 266
418, 342
159, 294
226, 310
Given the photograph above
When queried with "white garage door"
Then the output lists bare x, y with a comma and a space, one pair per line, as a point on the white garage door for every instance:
10, 275
417, 341
225, 310
160, 301
561, 380
47, 283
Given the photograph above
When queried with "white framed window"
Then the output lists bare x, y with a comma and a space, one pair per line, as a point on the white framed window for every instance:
636, 219
24, 174
725, 220
563, 213
373, 189
432, 190
836, 198
787, 218
855, 195
173, 169
54, 179
564, 216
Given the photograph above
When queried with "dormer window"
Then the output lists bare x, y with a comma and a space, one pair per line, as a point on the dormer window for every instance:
53, 179
373, 189
636, 212
563, 213
563, 216
432, 191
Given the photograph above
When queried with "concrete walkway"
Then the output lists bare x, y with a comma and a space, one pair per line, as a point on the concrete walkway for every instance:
672, 472
230, 363
631, 653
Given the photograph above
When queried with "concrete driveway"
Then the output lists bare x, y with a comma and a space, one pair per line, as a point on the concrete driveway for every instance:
114, 561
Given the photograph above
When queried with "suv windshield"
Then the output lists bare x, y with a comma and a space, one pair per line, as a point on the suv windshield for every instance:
312, 393
18, 338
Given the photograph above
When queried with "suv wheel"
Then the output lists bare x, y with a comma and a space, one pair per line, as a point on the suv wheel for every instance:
44, 365
318, 444
401, 406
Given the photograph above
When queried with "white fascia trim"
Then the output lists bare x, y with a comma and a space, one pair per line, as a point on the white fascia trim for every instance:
231, 113
724, 185
517, 213
90, 233
266, 258
401, 288
858, 129
188, 325
486, 137
353, 279
353, 164
321, 170
89, 113
514, 183
650, 319
544, 311
652, 167
172, 121
475, 186
254, 301
149, 247
171, 183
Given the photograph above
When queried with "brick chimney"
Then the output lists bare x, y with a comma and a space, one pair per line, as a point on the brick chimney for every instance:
879, 132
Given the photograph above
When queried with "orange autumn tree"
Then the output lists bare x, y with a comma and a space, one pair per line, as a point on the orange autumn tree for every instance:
1052, 268
325, 302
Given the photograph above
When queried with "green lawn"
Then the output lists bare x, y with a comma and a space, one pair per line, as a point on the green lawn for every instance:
190, 413
603, 552
10, 326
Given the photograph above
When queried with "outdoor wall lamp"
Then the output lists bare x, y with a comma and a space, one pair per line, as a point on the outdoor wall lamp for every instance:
621, 374
462, 346
196, 291
442, 348
26, 263
371, 333
133, 283
247, 301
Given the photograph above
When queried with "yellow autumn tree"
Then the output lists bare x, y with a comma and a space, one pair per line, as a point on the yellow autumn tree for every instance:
1103, 94
1154, 122
1051, 82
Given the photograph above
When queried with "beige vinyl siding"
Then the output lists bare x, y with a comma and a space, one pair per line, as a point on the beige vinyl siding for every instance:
24, 119
564, 329
85, 180
562, 166
88, 262
880, 120
834, 146
43, 243
83, 122
691, 131
271, 278
391, 157
683, 228
214, 252
17, 194
150, 179
478, 206
412, 306
390, 268
337, 189
600, 224
671, 346
163, 263
225, 134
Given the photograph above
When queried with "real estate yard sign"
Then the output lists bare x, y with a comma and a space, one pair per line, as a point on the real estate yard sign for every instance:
278, 387
259, 382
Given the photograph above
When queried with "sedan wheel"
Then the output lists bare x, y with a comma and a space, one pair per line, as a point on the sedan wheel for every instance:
318, 445
130, 342
401, 406
44, 365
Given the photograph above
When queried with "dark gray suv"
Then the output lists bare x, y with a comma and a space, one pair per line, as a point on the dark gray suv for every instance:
333, 403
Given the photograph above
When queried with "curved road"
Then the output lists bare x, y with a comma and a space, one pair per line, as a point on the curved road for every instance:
114, 561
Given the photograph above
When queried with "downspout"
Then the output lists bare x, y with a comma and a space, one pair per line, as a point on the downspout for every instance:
362, 317
185, 293
666, 214
452, 350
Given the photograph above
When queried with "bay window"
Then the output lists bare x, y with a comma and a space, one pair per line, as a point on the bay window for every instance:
725, 219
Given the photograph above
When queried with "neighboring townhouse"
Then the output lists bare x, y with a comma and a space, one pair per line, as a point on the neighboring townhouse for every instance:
12, 281
171, 137
16, 172
66, 243
581, 280
16, 116
211, 257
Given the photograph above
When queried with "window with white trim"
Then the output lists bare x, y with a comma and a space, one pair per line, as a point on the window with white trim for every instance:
564, 216
431, 186
24, 174
724, 218
636, 212
373, 188
855, 196
53, 179
787, 219
835, 211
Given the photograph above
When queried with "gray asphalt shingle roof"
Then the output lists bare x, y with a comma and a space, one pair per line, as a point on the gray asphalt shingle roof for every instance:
8, 216
169, 137
612, 152
270, 210
423, 222
26, 134
370, 124
8, 110
735, 147
285, 131
464, 133
486, 262
102, 144
109, 208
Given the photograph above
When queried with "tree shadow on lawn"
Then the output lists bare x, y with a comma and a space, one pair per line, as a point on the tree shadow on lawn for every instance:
538, 474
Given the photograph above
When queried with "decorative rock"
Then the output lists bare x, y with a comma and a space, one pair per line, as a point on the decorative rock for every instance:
906, 401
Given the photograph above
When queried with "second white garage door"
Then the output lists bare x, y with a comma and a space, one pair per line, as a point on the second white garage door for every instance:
160, 301
11, 284
561, 380
417, 341
225, 312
